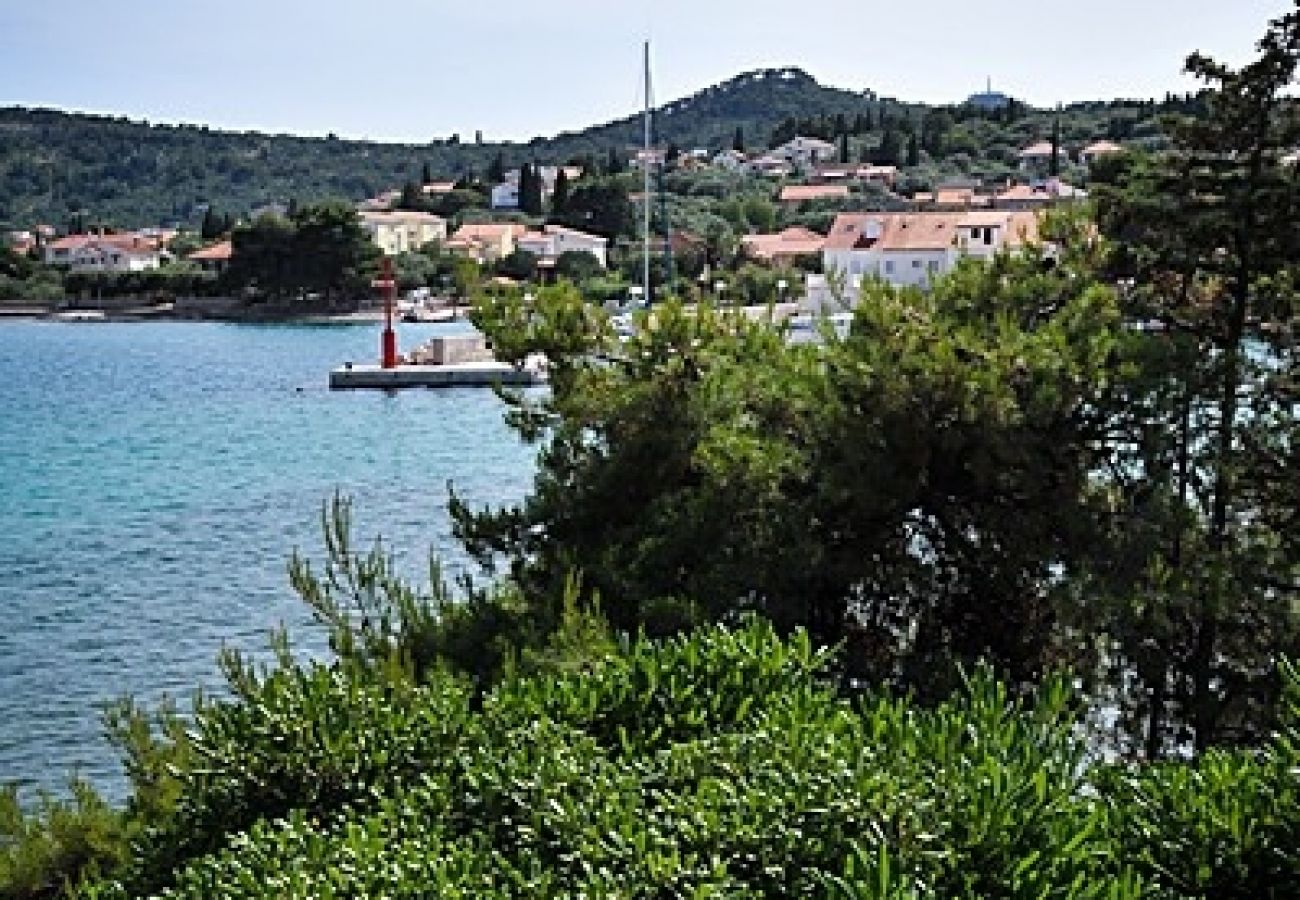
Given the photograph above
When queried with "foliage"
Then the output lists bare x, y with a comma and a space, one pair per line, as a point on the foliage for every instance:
578, 265
704, 466
319, 255
600, 206
23, 280
56, 166
722, 763
1206, 600
45, 850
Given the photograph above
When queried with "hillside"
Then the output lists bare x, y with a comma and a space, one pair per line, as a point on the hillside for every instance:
54, 164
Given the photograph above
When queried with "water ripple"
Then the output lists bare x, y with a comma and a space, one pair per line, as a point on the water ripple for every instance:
154, 479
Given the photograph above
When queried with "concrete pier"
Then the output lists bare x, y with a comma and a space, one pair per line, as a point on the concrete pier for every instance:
473, 374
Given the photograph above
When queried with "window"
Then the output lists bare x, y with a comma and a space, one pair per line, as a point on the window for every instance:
889, 267
916, 264
988, 235
933, 265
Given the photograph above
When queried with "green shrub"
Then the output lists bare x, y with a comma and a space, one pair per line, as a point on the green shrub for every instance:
43, 852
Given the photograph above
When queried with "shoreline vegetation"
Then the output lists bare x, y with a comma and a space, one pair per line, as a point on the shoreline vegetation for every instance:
996, 595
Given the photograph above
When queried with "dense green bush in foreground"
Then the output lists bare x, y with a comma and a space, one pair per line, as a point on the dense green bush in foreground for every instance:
714, 764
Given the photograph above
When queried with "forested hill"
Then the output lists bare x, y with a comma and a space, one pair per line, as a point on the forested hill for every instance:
113, 170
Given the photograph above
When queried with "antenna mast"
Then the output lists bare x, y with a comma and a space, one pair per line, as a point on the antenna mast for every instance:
645, 172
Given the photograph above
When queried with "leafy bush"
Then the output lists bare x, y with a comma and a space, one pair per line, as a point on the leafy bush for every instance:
719, 763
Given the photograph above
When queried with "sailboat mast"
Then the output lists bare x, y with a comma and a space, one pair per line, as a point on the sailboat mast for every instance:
645, 194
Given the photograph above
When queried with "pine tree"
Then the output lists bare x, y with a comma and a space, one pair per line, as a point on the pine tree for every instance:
1208, 233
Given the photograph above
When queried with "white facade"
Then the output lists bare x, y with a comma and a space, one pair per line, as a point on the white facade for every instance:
505, 195
730, 161
403, 231
910, 249
99, 255
556, 240
805, 152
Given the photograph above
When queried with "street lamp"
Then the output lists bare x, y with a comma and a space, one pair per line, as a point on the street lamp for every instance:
636, 291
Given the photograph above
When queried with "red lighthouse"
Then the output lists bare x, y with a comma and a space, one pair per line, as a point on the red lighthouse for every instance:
388, 346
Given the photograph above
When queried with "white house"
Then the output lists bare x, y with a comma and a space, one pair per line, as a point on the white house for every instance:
401, 231
805, 152
772, 166
555, 240
104, 253
506, 194
730, 161
1037, 157
910, 249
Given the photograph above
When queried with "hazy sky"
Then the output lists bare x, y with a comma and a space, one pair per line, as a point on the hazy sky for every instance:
413, 70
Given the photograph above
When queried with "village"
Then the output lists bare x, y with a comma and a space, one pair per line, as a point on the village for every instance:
870, 229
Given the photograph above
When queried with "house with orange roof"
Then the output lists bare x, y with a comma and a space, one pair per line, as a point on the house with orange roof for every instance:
1096, 150
1038, 195
127, 252
784, 246
912, 249
486, 241
950, 198
214, 258
802, 193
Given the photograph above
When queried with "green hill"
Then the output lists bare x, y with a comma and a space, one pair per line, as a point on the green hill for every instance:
54, 165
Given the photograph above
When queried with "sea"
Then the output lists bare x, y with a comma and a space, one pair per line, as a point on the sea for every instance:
155, 479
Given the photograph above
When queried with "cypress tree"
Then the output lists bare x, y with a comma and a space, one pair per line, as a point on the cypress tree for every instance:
560, 199
614, 164
890, 149
844, 147
211, 226
496, 172
530, 190
1054, 166
738, 140
913, 152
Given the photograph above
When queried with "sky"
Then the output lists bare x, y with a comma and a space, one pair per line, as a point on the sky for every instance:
416, 70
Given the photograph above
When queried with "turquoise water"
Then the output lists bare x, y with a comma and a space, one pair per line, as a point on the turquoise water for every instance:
154, 479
